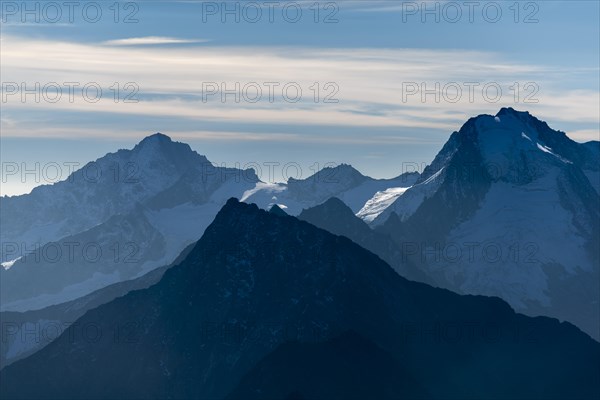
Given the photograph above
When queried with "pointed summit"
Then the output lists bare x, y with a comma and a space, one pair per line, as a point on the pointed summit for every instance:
333, 208
275, 209
345, 170
512, 111
160, 148
336, 217
157, 138
498, 180
336, 174
232, 202
329, 182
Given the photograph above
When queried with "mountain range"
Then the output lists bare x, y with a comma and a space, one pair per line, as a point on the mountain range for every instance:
134, 244
129, 212
266, 304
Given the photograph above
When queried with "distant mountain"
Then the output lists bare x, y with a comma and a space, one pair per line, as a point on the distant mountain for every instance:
384, 198
112, 220
336, 217
24, 333
508, 208
258, 288
134, 210
122, 248
342, 181
113, 184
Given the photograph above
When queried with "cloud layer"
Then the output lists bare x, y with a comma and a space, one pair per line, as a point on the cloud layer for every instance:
340, 87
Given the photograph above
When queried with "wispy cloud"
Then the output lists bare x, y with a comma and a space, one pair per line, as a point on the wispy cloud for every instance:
371, 83
585, 135
151, 40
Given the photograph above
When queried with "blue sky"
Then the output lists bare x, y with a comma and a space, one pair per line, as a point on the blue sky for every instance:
372, 58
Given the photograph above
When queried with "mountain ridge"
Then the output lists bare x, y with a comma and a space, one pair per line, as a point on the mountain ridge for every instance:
257, 275
512, 184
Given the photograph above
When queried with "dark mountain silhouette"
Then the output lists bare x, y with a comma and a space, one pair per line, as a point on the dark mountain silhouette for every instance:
275, 209
336, 217
346, 367
255, 281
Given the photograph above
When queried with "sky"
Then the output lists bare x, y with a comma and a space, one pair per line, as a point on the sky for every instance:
376, 84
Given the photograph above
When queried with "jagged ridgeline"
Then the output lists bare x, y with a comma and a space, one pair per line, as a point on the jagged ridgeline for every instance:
266, 305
